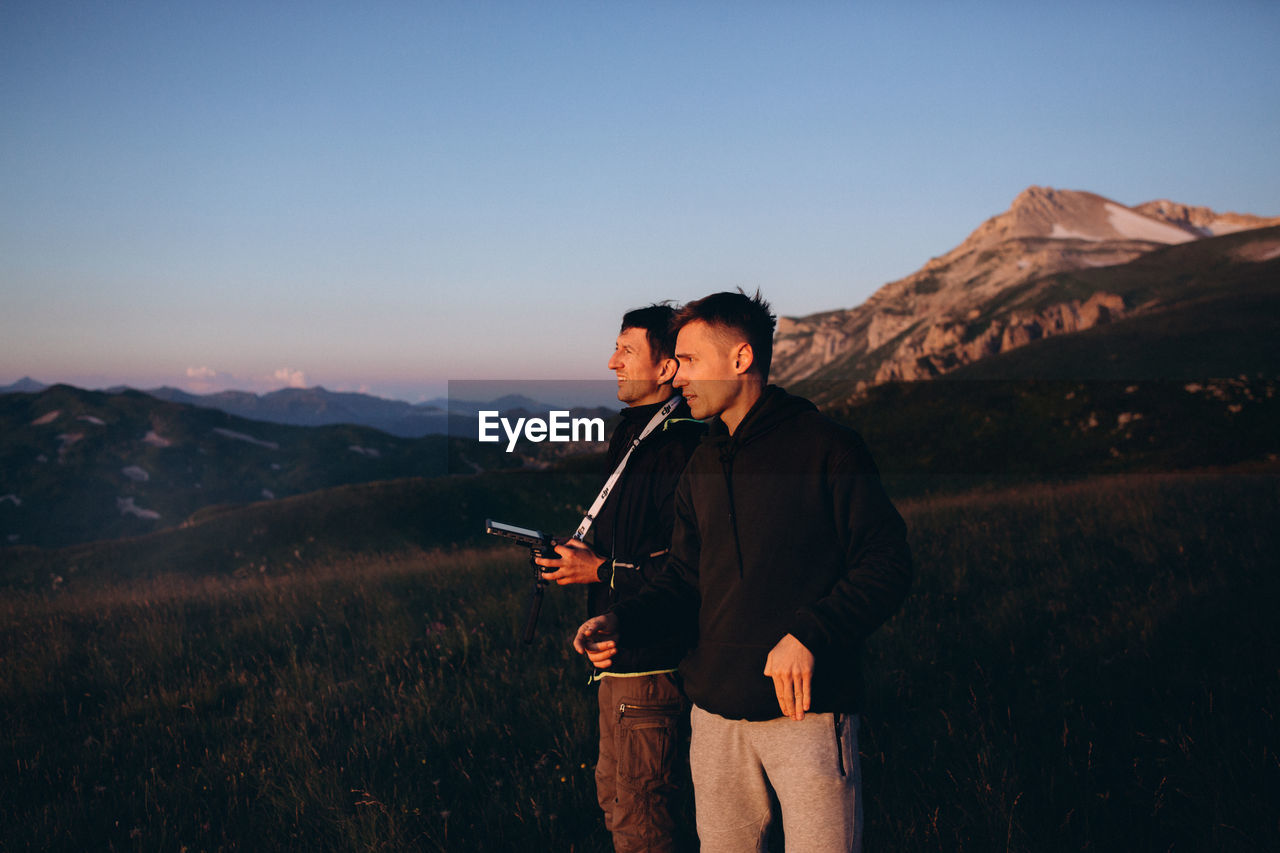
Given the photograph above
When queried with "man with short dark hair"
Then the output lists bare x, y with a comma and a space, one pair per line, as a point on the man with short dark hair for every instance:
787, 554
641, 705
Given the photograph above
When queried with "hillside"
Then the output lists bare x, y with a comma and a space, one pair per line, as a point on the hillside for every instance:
269, 538
81, 465
1057, 262
1088, 667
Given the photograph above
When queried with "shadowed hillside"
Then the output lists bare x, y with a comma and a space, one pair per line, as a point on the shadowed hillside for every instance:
275, 537
81, 465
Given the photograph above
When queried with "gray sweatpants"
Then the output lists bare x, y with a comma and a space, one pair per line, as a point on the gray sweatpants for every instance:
811, 765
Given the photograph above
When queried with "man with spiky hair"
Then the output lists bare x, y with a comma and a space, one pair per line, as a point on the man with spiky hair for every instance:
786, 553
642, 709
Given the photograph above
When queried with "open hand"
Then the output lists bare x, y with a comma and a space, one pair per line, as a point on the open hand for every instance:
790, 665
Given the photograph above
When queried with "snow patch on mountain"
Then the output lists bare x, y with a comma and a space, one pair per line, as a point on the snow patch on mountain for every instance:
155, 439
128, 507
1135, 226
14, 499
136, 473
47, 418
1061, 232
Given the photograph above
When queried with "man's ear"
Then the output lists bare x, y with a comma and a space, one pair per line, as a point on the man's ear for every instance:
667, 371
743, 358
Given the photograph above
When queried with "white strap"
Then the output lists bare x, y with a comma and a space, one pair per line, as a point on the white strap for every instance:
662, 414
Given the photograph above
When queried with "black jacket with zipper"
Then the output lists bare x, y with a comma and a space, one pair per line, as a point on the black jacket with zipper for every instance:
781, 528
633, 528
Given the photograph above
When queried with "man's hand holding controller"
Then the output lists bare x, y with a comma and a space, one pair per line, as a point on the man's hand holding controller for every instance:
575, 563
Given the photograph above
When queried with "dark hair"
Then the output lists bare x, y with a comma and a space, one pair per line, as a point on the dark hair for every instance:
656, 322
748, 316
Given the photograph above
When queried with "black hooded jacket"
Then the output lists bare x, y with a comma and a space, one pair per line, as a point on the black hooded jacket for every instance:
781, 528
633, 528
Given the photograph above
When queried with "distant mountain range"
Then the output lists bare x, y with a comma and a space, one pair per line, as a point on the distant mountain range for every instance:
320, 407
1057, 262
25, 385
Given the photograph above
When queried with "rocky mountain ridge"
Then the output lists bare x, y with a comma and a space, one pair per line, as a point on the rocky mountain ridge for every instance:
989, 294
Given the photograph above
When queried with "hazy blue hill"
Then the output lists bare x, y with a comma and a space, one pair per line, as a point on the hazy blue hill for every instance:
80, 465
25, 385
321, 407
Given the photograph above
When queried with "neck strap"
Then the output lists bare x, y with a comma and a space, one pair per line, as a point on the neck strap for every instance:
659, 417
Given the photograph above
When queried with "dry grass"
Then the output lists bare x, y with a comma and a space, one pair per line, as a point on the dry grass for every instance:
1082, 667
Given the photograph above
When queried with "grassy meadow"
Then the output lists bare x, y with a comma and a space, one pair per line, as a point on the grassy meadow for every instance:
1081, 667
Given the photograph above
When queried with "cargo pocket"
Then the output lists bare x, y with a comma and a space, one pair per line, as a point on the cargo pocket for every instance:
840, 764
648, 742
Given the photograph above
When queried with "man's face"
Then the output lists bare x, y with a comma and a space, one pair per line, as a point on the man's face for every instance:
639, 378
706, 377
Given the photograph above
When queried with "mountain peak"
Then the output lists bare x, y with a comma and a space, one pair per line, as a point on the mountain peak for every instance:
1045, 212
964, 305
1034, 194
25, 385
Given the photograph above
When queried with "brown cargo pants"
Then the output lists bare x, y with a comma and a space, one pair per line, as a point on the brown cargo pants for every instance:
636, 774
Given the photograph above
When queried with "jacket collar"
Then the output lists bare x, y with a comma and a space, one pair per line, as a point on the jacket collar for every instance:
772, 408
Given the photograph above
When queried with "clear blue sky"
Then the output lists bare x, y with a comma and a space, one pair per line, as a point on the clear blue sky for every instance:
390, 195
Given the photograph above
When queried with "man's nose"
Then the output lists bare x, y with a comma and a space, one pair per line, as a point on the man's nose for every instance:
679, 381
614, 363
